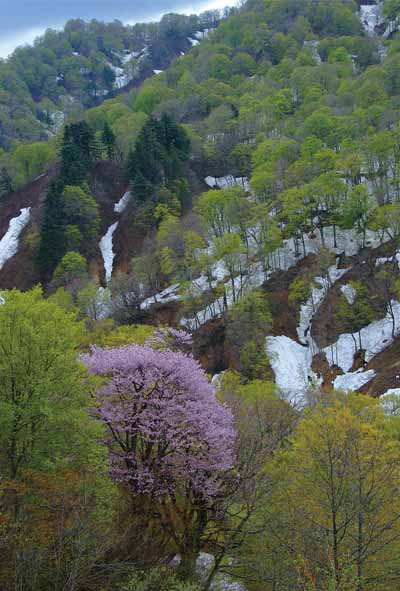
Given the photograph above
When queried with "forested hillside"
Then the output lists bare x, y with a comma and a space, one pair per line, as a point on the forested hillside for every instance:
203, 392
70, 70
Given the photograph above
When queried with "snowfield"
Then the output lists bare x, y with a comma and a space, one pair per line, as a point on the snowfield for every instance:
374, 338
370, 16
106, 248
9, 242
310, 308
350, 382
348, 243
291, 363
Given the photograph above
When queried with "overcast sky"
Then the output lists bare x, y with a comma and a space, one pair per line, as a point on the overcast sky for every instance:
23, 20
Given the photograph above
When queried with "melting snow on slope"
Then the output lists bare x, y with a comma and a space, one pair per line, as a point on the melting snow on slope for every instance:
203, 34
390, 401
383, 260
291, 363
123, 202
313, 47
349, 293
374, 338
348, 243
226, 182
310, 308
167, 295
370, 17
156, 72
352, 381
193, 41
106, 247
10, 240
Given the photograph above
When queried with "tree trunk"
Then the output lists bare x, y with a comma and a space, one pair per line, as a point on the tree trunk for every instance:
187, 566
321, 231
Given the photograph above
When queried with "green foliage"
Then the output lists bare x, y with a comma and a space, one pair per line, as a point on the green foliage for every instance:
161, 579
72, 267
71, 218
41, 390
391, 9
108, 139
30, 160
249, 321
161, 150
78, 153
353, 317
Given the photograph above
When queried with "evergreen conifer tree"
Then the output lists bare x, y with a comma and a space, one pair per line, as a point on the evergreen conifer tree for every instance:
108, 139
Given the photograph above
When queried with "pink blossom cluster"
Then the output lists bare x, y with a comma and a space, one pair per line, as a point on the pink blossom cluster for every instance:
167, 430
171, 338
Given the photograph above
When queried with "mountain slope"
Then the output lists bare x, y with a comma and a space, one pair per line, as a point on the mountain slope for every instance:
302, 100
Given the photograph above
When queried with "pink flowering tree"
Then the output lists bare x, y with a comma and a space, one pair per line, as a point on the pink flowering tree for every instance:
170, 439
171, 338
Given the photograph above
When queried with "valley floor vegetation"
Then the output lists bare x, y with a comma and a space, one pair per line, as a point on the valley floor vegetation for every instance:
122, 465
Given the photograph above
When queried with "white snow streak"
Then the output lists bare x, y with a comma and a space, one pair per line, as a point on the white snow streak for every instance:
226, 182
370, 18
383, 260
106, 247
167, 295
350, 382
123, 202
374, 338
349, 293
310, 308
10, 240
291, 363
313, 47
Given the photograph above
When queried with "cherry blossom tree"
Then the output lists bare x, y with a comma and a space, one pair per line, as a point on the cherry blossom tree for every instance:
171, 441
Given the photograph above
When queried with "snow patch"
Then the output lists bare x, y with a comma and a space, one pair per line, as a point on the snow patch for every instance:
167, 295
374, 338
349, 293
123, 202
226, 182
156, 72
217, 379
352, 381
194, 42
106, 248
313, 47
390, 401
203, 34
291, 363
348, 242
370, 16
9, 242
384, 260
310, 308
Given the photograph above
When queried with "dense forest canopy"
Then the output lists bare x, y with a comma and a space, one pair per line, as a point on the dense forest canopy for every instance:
67, 71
